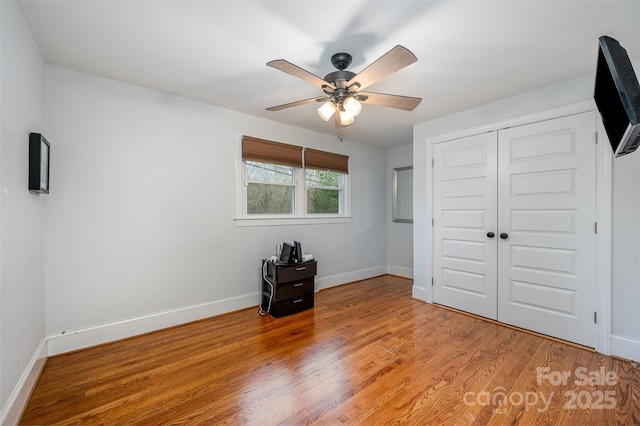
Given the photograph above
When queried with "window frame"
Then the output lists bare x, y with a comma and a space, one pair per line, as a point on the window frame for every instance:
292, 184
300, 215
340, 188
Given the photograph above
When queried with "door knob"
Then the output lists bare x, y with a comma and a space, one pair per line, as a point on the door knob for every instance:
504, 235
490, 234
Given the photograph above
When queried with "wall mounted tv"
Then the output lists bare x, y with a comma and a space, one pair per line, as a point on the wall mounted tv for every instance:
617, 96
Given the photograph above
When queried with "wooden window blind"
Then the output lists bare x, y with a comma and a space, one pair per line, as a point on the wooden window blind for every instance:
322, 160
264, 151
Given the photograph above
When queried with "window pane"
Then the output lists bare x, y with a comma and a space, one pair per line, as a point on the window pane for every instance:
270, 199
323, 201
264, 172
322, 178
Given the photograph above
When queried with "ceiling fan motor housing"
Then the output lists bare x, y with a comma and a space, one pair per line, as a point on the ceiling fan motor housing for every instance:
341, 77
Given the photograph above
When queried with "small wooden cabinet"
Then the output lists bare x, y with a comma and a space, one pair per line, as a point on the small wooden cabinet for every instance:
288, 288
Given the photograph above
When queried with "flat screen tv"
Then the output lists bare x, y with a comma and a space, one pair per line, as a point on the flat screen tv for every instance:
617, 96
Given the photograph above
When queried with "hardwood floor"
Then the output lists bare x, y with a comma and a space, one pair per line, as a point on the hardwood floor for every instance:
366, 354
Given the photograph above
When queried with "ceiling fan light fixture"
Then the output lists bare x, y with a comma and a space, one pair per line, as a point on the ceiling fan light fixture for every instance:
346, 118
352, 106
326, 111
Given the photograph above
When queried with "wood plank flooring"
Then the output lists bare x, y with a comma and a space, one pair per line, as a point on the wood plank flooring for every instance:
366, 354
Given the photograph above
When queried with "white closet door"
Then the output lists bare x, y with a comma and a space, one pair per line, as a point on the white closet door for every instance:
546, 266
464, 211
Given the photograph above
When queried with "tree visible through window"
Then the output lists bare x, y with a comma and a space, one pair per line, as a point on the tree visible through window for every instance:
270, 188
323, 191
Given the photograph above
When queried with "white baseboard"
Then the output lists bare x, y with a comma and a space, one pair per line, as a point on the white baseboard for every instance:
420, 293
400, 271
105, 333
625, 347
12, 411
325, 282
97, 335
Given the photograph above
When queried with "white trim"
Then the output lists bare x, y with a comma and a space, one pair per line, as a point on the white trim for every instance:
299, 192
517, 121
326, 282
96, 335
309, 220
13, 409
428, 286
625, 347
118, 330
604, 205
239, 176
603, 195
420, 293
400, 271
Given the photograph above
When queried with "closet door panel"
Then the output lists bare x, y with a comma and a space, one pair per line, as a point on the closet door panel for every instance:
546, 206
465, 200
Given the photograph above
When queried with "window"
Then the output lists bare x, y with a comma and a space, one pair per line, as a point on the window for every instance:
278, 187
270, 188
325, 174
324, 191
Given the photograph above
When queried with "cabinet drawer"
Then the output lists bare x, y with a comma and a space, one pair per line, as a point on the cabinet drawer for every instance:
297, 271
289, 306
290, 289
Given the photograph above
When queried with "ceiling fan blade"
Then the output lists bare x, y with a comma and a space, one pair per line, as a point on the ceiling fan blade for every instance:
296, 71
406, 103
296, 103
392, 61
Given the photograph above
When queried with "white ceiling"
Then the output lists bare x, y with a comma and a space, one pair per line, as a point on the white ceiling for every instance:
469, 52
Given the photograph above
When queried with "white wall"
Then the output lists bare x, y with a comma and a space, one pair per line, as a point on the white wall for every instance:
21, 213
399, 235
625, 317
140, 219
625, 296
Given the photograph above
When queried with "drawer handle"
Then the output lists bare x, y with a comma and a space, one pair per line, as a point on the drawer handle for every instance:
297, 301
302, 268
298, 285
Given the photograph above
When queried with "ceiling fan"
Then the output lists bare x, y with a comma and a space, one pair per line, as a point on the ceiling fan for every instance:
342, 89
